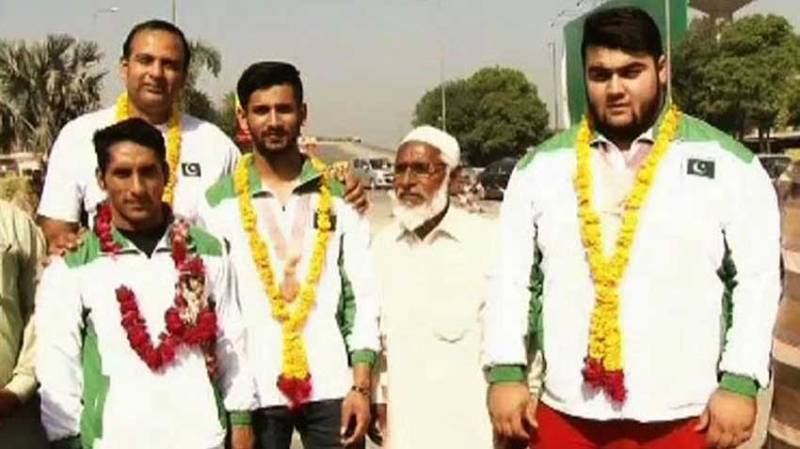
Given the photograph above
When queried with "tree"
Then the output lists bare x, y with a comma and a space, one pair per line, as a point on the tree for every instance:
494, 113
739, 75
43, 85
226, 119
790, 114
205, 59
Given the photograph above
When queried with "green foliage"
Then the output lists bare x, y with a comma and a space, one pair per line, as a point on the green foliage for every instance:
43, 85
494, 113
18, 190
738, 75
226, 119
790, 115
205, 59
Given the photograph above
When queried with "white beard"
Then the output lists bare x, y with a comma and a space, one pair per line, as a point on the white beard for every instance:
411, 218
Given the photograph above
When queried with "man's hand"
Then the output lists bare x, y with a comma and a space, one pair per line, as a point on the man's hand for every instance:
728, 419
9, 403
512, 412
243, 437
355, 193
355, 416
66, 242
376, 431
380, 410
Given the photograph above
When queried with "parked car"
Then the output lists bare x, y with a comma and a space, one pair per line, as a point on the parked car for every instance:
375, 173
494, 178
774, 164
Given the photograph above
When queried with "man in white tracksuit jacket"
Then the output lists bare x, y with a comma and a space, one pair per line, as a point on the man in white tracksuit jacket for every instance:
97, 390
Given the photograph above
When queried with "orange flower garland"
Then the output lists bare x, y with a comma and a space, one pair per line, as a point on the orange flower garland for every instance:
295, 379
604, 364
173, 143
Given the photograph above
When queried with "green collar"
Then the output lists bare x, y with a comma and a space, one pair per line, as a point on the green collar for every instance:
127, 247
309, 178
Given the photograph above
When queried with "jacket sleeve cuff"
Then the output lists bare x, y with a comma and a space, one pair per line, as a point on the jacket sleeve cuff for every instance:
745, 386
506, 374
22, 386
365, 356
241, 418
73, 442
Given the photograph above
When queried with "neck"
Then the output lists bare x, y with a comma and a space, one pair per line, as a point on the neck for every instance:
153, 117
623, 138
279, 167
155, 222
431, 224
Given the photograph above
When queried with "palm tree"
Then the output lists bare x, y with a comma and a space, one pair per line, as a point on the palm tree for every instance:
43, 85
205, 58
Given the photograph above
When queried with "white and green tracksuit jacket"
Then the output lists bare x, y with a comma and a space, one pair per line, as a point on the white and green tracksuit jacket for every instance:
96, 391
698, 300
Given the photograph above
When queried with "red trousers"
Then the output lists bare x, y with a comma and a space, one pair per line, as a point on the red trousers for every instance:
560, 431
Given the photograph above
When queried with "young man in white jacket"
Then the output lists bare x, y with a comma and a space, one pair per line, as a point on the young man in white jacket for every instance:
640, 251
139, 327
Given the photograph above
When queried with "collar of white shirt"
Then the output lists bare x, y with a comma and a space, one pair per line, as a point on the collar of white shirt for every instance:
454, 225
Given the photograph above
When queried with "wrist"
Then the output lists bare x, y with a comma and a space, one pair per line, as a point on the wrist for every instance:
362, 391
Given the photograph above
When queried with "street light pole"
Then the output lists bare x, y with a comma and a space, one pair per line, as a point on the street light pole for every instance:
99, 11
556, 106
667, 5
441, 68
174, 12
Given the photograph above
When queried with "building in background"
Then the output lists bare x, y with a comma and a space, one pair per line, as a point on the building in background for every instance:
720, 9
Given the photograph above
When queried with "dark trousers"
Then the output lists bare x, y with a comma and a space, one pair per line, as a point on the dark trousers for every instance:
23, 430
317, 423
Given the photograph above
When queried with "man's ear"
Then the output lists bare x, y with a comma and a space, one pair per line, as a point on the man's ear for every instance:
166, 172
663, 70
453, 179
100, 181
241, 118
123, 71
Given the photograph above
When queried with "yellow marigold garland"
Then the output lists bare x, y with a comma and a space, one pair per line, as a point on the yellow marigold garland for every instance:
604, 363
295, 379
173, 143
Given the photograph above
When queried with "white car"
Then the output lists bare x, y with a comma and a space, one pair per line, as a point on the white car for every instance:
375, 173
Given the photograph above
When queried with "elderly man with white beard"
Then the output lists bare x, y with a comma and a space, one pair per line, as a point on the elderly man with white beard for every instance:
432, 262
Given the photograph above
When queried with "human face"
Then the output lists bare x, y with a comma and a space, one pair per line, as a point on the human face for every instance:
154, 73
274, 118
134, 183
419, 174
624, 89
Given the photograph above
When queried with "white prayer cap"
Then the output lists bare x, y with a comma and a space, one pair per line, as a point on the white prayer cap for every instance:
445, 143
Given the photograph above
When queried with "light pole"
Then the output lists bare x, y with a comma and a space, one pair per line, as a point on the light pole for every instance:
441, 68
98, 11
174, 12
556, 106
668, 7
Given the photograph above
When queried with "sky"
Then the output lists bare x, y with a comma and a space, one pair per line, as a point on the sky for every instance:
364, 63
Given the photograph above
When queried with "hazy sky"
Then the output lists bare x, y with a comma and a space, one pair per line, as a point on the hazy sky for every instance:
365, 63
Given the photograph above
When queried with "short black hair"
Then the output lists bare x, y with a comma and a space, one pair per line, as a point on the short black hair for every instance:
133, 130
157, 25
629, 29
267, 74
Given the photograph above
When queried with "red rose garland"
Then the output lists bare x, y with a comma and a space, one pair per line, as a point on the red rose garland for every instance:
190, 321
